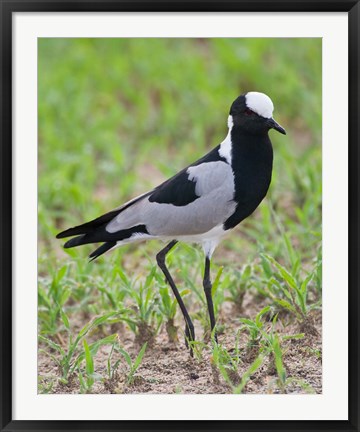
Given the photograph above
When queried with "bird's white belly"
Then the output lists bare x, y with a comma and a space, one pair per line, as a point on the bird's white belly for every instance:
208, 240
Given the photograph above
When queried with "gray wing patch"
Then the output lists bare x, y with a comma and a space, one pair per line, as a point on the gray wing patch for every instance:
215, 187
209, 176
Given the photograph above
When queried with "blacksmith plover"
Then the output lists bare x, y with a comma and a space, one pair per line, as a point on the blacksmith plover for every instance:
201, 203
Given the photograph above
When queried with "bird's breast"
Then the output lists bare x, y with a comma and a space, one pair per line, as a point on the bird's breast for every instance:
252, 168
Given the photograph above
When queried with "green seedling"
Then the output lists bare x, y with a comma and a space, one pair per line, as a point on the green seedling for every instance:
147, 319
227, 363
237, 284
115, 288
289, 292
255, 327
68, 358
51, 299
87, 383
112, 369
133, 366
268, 343
255, 365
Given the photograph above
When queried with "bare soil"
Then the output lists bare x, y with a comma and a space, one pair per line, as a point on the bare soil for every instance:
168, 368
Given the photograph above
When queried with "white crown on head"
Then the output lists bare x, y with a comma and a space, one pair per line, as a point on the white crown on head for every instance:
260, 103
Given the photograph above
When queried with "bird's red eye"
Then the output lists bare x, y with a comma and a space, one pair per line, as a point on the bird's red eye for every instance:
248, 112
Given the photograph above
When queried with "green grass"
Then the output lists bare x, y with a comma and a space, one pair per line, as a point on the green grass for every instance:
117, 116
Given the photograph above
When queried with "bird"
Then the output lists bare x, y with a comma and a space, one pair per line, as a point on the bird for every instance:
201, 203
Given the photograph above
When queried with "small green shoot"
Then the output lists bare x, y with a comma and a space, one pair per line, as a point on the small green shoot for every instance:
68, 357
133, 366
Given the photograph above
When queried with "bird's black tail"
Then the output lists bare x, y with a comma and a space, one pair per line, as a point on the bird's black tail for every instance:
88, 226
99, 235
101, 250
86, 239
95, 231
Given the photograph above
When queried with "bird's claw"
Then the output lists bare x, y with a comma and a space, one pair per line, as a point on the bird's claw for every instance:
214, 335
189, 337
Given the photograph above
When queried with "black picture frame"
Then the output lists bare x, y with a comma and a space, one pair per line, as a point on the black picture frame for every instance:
7, 9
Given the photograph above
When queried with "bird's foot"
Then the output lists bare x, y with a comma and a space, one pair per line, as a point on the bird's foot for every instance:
214, 336
189, 337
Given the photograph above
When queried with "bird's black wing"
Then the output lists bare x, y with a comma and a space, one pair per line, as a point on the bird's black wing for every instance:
180, 190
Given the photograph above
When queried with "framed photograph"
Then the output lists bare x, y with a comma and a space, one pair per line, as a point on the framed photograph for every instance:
179, 210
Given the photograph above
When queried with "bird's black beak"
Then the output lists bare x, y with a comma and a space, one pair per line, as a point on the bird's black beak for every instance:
274, 125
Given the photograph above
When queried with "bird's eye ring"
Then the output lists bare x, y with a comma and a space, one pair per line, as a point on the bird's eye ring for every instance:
248, 112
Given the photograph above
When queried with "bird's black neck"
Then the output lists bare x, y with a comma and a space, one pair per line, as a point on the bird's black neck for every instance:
256, 149
251, 160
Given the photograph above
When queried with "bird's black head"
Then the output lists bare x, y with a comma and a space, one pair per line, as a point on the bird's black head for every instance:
252, 112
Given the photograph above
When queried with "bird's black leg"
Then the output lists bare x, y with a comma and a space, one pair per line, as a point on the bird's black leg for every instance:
207, 288
189, 327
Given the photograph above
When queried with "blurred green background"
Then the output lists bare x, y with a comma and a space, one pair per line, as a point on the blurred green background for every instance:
118, 116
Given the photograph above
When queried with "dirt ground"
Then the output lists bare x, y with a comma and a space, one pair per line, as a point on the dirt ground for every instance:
168, 368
